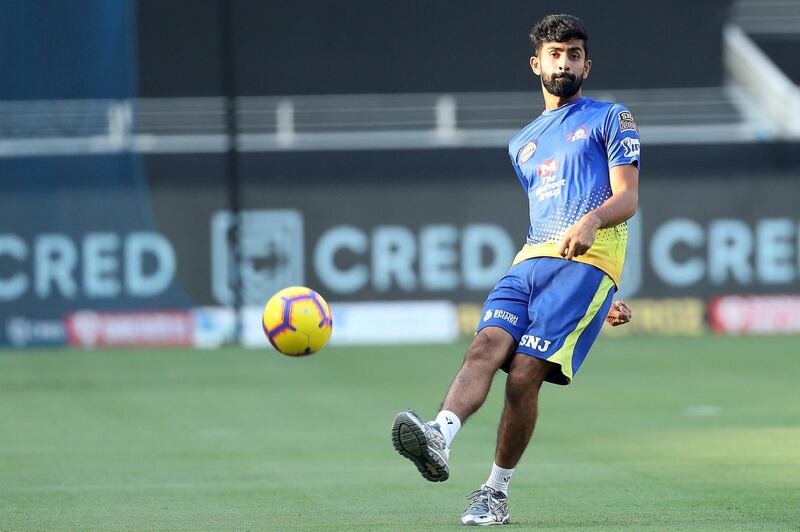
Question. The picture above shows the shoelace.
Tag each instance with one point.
(435, 434)
(479, 500)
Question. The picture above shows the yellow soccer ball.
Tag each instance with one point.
(297, 321)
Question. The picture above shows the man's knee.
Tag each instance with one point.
(527, 373)
(490, 347)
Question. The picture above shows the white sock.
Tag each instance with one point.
(499, 478)
(449, 424)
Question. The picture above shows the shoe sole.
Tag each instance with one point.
(410, 441)
(505, 521)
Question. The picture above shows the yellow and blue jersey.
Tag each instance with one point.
(562, 159)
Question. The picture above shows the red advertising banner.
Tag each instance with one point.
(141, 328)
(779, 314)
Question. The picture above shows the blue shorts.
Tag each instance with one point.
(554, 308)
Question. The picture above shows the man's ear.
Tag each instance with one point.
(587, 66)
(535, 66)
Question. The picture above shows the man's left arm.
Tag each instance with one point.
(579, 237)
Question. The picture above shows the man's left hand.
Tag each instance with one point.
(618, 314)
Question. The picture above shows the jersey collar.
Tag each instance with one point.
(563, 107)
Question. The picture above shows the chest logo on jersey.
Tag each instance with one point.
(549, 184)
(626, 122)
(632, 147)
(582, 133)
(547, 168)
(527, 152)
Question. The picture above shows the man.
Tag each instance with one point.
(579, 165)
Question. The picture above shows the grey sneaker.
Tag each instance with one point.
(423, 444)
(486, 507)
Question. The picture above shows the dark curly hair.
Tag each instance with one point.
(558, 28)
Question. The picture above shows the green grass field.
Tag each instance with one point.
(700, 433)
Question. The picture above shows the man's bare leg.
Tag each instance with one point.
(427, 444)
(488, 351)
(489, 504)
(521, 408)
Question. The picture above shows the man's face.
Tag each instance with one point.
(562, 66)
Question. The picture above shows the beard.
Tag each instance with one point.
(562, 84)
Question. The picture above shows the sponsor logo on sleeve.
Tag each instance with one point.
(631, 147)
(527, 152)
(626, 122)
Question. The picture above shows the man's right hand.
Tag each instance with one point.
(579, 237)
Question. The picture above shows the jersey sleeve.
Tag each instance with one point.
(522, 179)
(622, 138)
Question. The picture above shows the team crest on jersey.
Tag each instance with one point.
(626, 122)
(632, 147)
(582, 133)
(527, 152)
